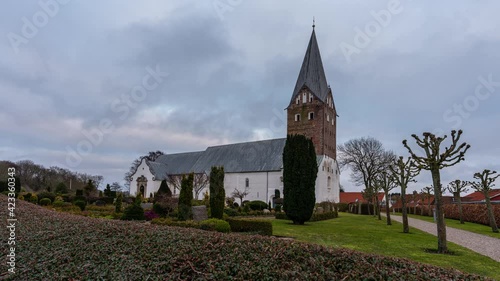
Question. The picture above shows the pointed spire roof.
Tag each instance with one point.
(312, 74)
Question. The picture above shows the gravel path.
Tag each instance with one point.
(482, 244)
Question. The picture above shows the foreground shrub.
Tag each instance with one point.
(231, 212)
(263, 227)
(134, 212)
(46, 194)
(20, 197)
(171, 222)
(118, 204)
(58, 203)
(136, 251)
(257, 205)
(81, 204)
(215, 225)
(150, 215)
(34, 199)
(45, 202)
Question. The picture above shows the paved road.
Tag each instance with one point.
(485, 245)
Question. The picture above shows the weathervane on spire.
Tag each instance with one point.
(314, 23)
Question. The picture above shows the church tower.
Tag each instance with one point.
(311, 111)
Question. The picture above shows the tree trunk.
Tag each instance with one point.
(460, 211)
(378, 208)
(441, 225)
(406, 228)
(387, 211)
(491, 216)
(429, 207)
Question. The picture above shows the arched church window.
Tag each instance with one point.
(304, 98)
(311, 115)
(310, 97)
(297, 117)
(328, 181)
(247, 182)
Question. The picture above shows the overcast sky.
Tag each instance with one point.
(92, 85)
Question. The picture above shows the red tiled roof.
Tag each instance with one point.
(350, 197)
(479, 196)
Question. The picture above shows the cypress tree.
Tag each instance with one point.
(300, 170)
(217, 192)
(164, 189)
(186, 198)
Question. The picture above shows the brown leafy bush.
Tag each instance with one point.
(83, 248)
(476, 213)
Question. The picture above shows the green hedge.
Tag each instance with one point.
(215, 225)
(263, 227)
(343, 207)
(171, 222)
(45, 202)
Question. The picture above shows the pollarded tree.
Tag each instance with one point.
(434, 160)
(186, 198)
(456, 187)
(404, 172)
(484, 185)
(240, 194)
(428, 192)
(386, 182)
(300, 170)
(217, 192)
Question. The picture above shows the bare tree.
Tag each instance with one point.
(201, 181)
(485, 184)
(175, 182)
(386, 182)
(152, 156)
(434, 160)
(240, 194)
(366, 157)
(456, 187)
(115, 186)
(428, 192)
(404, 172)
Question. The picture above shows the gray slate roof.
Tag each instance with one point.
(257, 156)
(179, 163)
(312, 74)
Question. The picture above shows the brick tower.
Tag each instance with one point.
(311, 111)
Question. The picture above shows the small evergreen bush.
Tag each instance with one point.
(45, 202)
(230, 212)
(34, 199)
(215, 225)
(133, 212)
(257, 205)
(81, 204)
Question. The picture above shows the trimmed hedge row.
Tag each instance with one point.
(263, 227)
(475, 213)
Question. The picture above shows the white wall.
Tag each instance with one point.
(261, 185)
(324, 192)
(151, 186)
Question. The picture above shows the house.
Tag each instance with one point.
(478, 197)
(258, 166)
(355, 197)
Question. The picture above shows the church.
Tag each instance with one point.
(257, 167)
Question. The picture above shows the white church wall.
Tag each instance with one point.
(152, 186)
(328, 181)
(261, 185)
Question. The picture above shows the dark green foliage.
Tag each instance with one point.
(81, 204)
(79, 192)
(133, 212)
(34, 199)
(217, 192)
(4, 185)
(277, 208)
(80, 198)
(186, 198)
(107, 190)
(171, 222)
(45, 202)
(164, 189)
(89, 187)
(230, 212)
(46, 194)
(263, 227)
(61, 188)
(118, 203)
(257, 205)
(246, 208)
(277, 194)
(314, 217)
(27, 196)
(100, 193)
(365, 208)
(342, 207)
(300, 170)
(215, 225)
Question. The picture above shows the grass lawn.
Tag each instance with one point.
(469, 226)
(367, 234)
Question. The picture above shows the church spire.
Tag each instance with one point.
(312, 74)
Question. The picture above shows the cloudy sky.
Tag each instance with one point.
(92, 85)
